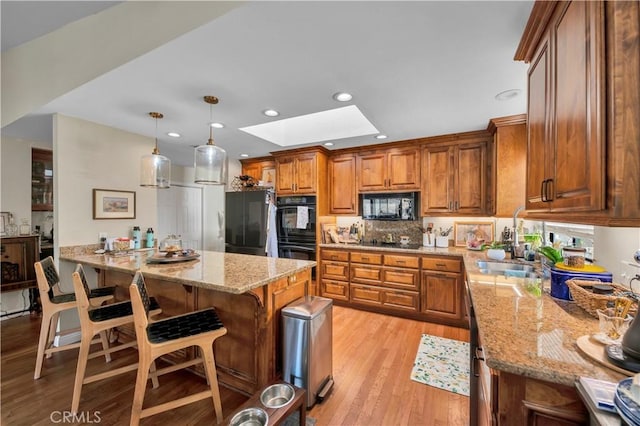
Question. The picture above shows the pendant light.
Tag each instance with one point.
(155, 169)
(210, 160)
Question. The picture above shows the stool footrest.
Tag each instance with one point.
(160, 408)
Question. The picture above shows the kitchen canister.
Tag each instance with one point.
(559, 288)
(442, 241)
(428, 239)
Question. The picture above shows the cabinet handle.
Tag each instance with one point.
(401, 261)
(450, 205)
(366, 259)
(549, 194)
(542, 192)
(455, 206)
(441, 265)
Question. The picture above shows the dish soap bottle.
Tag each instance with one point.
(149, 240)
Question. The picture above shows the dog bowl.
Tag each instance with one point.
(276, 396)
(250, 417)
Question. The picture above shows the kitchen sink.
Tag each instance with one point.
(507, 269)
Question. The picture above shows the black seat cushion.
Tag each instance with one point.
(71, 297)
(116, 310)
(183, 326)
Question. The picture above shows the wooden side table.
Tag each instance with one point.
(276, 415)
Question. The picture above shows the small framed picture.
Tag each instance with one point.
(4, 222)
(268, 176)
(472, 234)
(111, 204)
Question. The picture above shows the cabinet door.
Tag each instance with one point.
(41, 180)
(436, 180)
(285, 176)
(366, 294)
(342, 184)
(403, 169)
(335, 270)
(470, 180)
(306, 172)
(337, 290)
(371, 172)
(366, 274)
(537, 127)
(579, 117)
(441, 295)
(254, 170)
(403, 300)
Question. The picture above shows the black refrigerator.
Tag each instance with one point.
(246, 222)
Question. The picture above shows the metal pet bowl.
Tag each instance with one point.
(276, 396)
(250, 417)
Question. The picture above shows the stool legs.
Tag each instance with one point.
(42, 342)
(210, 370)
(80, 370)
(138, 395)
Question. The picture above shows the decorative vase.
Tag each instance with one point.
(496, 254)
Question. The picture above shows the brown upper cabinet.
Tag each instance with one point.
(508, 156)
(342, 184)
(583, 112)
(388, 170)
(300, 171)
(454, 178)
(41, 180)
(262, 168)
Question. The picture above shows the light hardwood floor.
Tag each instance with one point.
(372, 358)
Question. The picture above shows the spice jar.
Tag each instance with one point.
(573, 256)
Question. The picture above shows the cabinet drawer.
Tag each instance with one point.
(406, 279)
(401, 261)
(337, 255)
(406, 300)
(366, 274)
(370, 258)
(334, 289)
(442, 264)
(335, 270)
(366, 294)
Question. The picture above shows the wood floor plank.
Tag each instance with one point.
(373, 355)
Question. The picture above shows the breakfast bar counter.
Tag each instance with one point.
(248, 292)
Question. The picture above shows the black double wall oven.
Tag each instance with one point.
(296, 218)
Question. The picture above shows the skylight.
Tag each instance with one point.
(321, 126)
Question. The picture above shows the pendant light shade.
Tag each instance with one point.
(210, 160)
(155, 169)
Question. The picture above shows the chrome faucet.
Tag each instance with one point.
(516, 237)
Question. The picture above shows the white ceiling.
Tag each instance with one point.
(415, 69)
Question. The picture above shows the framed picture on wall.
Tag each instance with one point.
(472, 234)
(268, 176)
(111, 204)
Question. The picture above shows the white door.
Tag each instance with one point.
(180, 213)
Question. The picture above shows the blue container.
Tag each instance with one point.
(559, 288)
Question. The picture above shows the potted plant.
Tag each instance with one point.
(495, 251)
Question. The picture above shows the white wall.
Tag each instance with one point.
(15, 197)
(612, 247)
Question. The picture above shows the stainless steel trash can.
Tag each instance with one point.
(307, 346)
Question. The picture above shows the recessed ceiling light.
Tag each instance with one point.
(244, 155)
(173, 134)
(217, 125)
(507, 94)
(342, 96)
(328, 144)
(271, 113)
(381, 136)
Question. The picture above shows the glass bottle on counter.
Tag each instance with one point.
(11, 228)
(137, 237)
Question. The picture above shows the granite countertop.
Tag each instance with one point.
(522, 333)
(226, 272)
(446, 251)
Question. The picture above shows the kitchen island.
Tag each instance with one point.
(248, 292)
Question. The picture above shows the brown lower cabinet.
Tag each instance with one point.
(423, 287)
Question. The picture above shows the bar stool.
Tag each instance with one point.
(99, 320)
(53, 302)
(200, 328)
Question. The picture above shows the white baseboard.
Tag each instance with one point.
(67, 339)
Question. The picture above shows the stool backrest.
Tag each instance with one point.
(82, 291)
(141, 304)
(47, 277)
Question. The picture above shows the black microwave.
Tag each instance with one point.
(397, 206)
